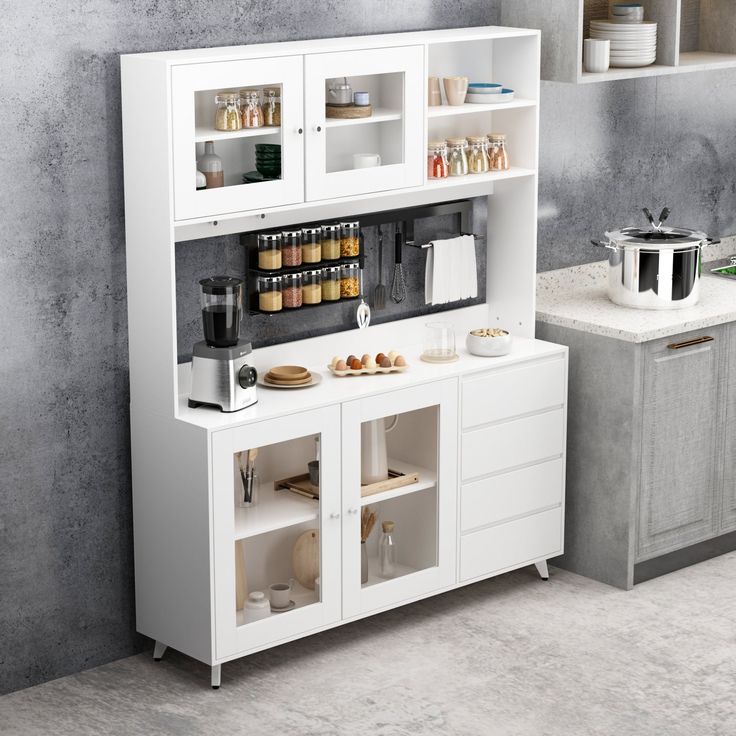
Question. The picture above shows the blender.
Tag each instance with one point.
(220, 374)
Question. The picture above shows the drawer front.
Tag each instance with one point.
(490, 500)
(492, 449)
(512, 544)
(505, 394)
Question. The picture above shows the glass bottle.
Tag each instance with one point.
(251, 111)
(498, 154)
(387, 551)
(478, 161)
(457, 156)
(227, 115)
(272, 106)
(437, 160)
(210, 164)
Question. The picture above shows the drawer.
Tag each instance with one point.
(490, 500)
(507, 445)
(511, 545)
(504, 394)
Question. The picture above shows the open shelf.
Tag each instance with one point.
(695, 61)
(514, 172)
(427, 479)
(469, 108)
(202, 135)
(274, 510)
(301, 597)
(380, 115)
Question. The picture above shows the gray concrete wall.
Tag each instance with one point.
(66, 597)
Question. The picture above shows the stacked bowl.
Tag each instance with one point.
(633, 43)
(268, 160)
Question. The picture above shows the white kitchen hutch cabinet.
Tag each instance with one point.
(485, 435)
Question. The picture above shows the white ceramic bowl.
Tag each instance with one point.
(506, 96)
(484, 88)
(488, 347)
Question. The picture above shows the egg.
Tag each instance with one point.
(379, 358)
(364, 360)
(341, 365)
(392, 356)
(386, 362)
(400, 361)
(356, 365)
(370, 363)
(335, 360)
(350, 359)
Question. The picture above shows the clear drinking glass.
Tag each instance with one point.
(439, 343)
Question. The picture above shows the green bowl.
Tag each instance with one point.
(269, 171)
(268, 148)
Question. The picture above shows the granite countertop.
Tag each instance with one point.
(576, 298)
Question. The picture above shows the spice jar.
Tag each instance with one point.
(457, 156)
(291, 289)
(498, 155)
(349, 281)
(269, 251)
(478, 161)
(269, 293)
(331, 283)
(330, 242)
(251, 111)
(349, 239)
(272, 106)
(311, 244)
(227, 114)
(312, 287)
(291, 247)
(437, 160)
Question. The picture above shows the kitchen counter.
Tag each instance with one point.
(576, 298)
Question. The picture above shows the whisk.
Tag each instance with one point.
(398, 287)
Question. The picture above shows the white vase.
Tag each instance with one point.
(373, 453)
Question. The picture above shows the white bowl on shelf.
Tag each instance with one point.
(506, 95)
(489, 347)
(484, 88)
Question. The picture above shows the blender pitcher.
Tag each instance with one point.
(222, 307)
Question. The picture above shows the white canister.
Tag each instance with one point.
(257, 606)
(596, 55)
(366, 160)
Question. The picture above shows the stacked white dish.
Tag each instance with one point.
(632, 44)
(626, 13)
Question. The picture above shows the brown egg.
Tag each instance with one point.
(350, 359)
(356, 365)
(385, 363)
(379, 358)
(364, 360)
(341, 365)
(400, 361)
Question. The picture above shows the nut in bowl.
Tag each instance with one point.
(488, 342)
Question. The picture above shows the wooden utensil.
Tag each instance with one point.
(305, 558)
(241, 580)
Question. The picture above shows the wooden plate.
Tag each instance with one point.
(316, 379)
(288, 372)
(268, 378)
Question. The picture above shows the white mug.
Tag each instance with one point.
(280, 594)
(596, 54)
(366, 160)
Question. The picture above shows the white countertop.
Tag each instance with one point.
(576, 298)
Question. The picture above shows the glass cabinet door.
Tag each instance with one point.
(355, 149)
(399, 531)
(240, 124)
(276, 529)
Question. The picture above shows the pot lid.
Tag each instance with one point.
(659, 238)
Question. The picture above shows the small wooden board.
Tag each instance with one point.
(348, 112)
(298, 484)
(395, 480)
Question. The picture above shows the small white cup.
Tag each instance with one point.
(280, 594)
(366, 160)
(596, 55)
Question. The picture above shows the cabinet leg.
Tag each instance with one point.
(542, 569)
(158, 651)
(215, 676)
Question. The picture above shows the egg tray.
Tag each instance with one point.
(366, 371)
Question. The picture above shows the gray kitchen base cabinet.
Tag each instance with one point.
(651, 447)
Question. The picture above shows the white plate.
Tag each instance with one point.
(631, 63)
(316, 379)
(648, 24)
(489, 99)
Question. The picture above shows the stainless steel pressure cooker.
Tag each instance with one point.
(656, 267)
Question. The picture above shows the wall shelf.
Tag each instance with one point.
(274, 510)
(201, 135)
(380, 115)
(443, 111)
(427, 480)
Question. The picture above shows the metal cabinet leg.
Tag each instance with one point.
(158, 651)
(215, 676)
(542, 569)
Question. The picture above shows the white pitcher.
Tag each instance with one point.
(373, 453)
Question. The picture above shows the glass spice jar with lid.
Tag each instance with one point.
(330, 242)
(269, 251)
(349, 280)
(478, 161)
(331, 283)
(457, 156)
(291, 247)
(291, 290)
(437, 160)
(349, 239)
(227, 112)
(311, 244)
(498, 154)
(251, 112)
(272, 106)
(312, 286)
(269, 294)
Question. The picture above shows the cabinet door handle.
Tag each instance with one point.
(335, 515)
(690, 343)
(353, 511)
(300, 130)
(318, 128)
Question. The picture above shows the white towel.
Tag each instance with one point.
(451, 273)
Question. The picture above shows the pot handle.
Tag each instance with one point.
(601, 244)
(711, 241)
